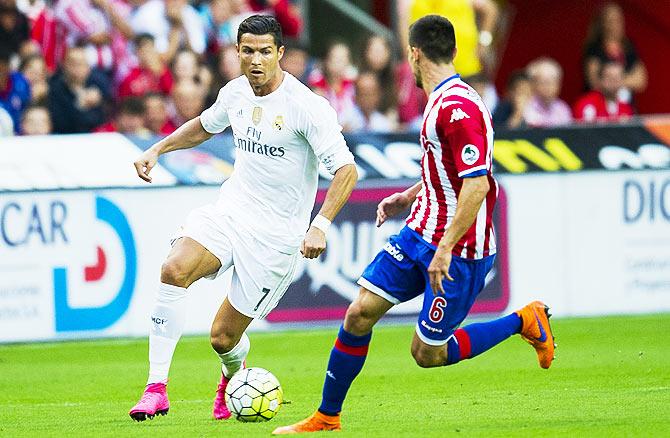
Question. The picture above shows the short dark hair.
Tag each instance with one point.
(132, 105)
(434, 35)
(261, 25)
(518, 75)
(141, 38)
(5, 54)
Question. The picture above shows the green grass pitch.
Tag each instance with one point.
(611, 378)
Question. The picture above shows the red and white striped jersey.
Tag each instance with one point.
(457, 142)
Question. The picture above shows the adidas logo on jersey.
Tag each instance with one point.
(458, 114)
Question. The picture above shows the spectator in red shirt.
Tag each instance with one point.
(129, 119)
(151, 75)
(156, 117)
(335, 81)
(287, 14)
(603, 104)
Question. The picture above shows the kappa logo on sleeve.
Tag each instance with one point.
(470, 154)
(458, 114)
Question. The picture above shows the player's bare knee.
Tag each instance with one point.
(172, 272)
(222, 342)
(358, 321)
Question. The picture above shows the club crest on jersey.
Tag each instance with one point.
(279, 123)
(458, 114)
(256, 115)
(470, 154)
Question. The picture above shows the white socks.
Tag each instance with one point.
(232, 361)
(167, 325)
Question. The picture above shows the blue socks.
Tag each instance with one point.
(348, 355)
(346, 361)
(475, 339)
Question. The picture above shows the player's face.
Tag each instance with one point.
(259, 59)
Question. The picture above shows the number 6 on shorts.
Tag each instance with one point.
(436, 312)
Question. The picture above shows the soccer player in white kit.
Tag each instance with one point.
(260, 223)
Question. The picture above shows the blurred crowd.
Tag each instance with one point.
(143, 67)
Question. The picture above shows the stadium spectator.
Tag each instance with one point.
(286, 13)
(226, 66)
(14, 88)
(545, 108)
(485, 88)
(129, 118)
(366, 115)
(102, 25)
(607, 41)
(36, 121)
(14, 29)
(174, 24)
(378, 59)
(510, 111)
(219, 29)
(296, 61)
(77, 95)
(335, 79)
(156, 117)
(48, 35)
(474, 41)
(34, 69)
(187, 67)
(150, 75)
(188, 101)
(604, 104)
(411, 99)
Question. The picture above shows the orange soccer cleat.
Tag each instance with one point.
(314, 423)
(535, 329)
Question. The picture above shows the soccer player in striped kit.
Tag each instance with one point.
(448, 244)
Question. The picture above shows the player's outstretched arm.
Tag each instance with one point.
(339, 191)
(396, 203)
(473, 192)
(188, 135)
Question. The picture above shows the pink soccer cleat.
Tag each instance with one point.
(154, 402)
(220, 410)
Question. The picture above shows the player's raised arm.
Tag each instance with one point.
(188, 135)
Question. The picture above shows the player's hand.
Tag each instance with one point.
(439, 269)
(145, 163)
(390, 206)
(314, 243)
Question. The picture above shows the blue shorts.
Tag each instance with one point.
(400, 272)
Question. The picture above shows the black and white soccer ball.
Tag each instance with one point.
(254, 394)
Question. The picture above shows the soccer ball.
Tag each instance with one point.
(254, 394)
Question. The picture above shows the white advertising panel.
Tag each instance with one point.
(86, 263)
(590, 243)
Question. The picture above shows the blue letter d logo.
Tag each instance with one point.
(97, 318)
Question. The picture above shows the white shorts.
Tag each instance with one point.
(261, 274)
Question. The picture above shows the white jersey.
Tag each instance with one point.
(279, 139)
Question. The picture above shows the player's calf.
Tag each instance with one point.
(428, 356)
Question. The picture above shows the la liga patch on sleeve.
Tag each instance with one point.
(470, 154)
